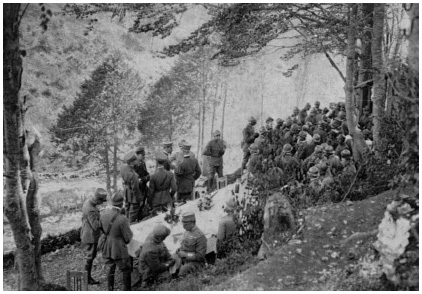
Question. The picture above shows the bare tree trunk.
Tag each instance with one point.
(378, 74)
(17, 172)
(359, 146)
(107, 166)
(199, 129)
(213, 109)
(413, 56)
(204, 97)
(224, 110)
(115, 170)
(365, 72)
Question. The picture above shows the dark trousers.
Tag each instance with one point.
(212, 170)
(90, 252)
(184, 196)
(132, 211)
(124, 264)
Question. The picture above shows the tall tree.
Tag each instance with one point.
(20, 151)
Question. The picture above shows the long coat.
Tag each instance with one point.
(186, 173)
(120, 235)
(215, 150)
(91, 225)
(249, 136)
(162, 187)
(132, 193)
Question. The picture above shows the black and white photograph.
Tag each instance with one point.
(210, 146)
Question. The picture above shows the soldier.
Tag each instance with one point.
(227, 224)
(177, 157)
(91, 228)
(334, 111)
(253, 163)
(300, 145)
(115, 252)
(367, 136)
(249, 136)
(333, 161)
(215, 150)
(305, 129)
(304, 113)
(277, 133)
(155, 259)
(295, 114)
(349, 168)
(186, 174)
(341, 140)
(191, 254)
(365, 121)
(290, 135)
(269, 127)
(320, 130)
(317, 104)
(143, 174)
(162, 185)
(262, 142)
(167, 150)
(289, 164)
(315, 183)
(312, 117)
(309, 148)
(131, 191)
(314, 159)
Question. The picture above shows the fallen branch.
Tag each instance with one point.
(360, 235)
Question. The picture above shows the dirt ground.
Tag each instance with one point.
(317, 259)
(314, 260)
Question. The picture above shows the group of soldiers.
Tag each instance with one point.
(312, 146)
(173, 181)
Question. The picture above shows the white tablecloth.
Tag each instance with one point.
(207, 221)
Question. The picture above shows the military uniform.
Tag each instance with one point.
(186, 173)
(154, 257)
(176, 158)
(162, 187)
(193, 243)
(141, 169)
(215, 150)
(249, 136)
(115, 252)
(263, 145)
(133, 196)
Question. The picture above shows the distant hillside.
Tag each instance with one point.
(59, 60)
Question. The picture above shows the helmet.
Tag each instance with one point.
(316, 138)
(302, 135)
(294, 120)
(345, 153)
(269, 119)
(318, 149)
(279, 121)
(322, 166)
(253, 148)
(251, 119)
(288, 122)
(342, 115)
(305, 128)
(216, 133)
(329, 149)
(287, 148)
(294, 128)
(262, 130)
(313, 172)
(307, 104)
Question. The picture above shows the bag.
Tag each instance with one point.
(103, 238)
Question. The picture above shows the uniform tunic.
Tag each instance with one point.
(186, 173)
(91, 225)
(162, 187)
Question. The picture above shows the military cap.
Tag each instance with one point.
(287, 148)
(216, 133)
(302, 134)
(251, 119)
(269, 119)
(305, 128)
(160, 157)
(316, 138)
(313, 172)
(140, 149)
(117, 199)
(167, 143)
(188, 216)
(263, 130)
(329, 149)
(345, 153)
(318, 149)
(129, 157)
(253, 148)
(100, 194)
(323, 145)
(279, 121)
(160, 231)
(186, 145)
(307, 104)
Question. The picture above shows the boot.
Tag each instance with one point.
(127, 281)
(110, 278)
(88, 268)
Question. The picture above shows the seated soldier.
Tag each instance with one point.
(190, 256)
(155, 259)
(227, 225)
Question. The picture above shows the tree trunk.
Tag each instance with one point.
(107, 167)
(115, 170)
(214, 108)
(15, 204)
(224, 110)
(365, 72)
(378, 74)
(413, 56)
(359, 145)
(204, 97)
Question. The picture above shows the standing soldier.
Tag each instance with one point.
(91, 228)
(167, 150)
(320, 130)
(162, 185)
(186, 173)
(277, 133)
(262, 142)
(177, 157)
(269, 127)
(304, 113)
(131, 191)
(249, 136)
(317, 104)
(118, 233)
(289, 164)
(143, 174)
(215, 150)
